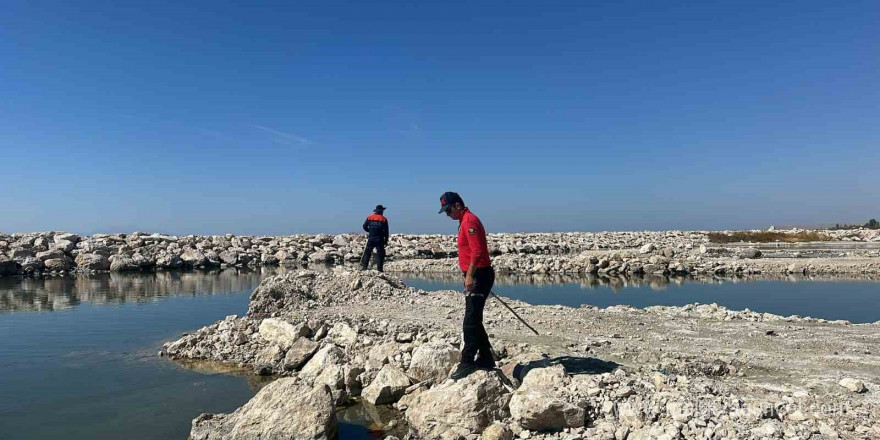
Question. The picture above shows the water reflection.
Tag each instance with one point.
(617, 283)
(213, 368)
(58, 293)
(373, 421)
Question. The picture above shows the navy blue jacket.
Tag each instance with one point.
(377, 226)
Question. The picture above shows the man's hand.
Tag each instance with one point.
(469, 283)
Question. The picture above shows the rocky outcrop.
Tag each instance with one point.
(675, 252)
(544, 403)
(376, 337)
(460, 407)
(299, 353)
(287, 409)
(282, 332)
(326, 357)
(388, 386)
(96, 262)
(433, 361)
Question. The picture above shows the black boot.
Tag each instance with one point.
(463, 370)
(485, 364)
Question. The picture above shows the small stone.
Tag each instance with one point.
(769, 429)
(497, 431)
(797, 416)
(853, 385)
(828, 431)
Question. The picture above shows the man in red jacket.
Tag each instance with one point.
(479, 277)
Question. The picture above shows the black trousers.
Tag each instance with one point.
(476, 340)
(379, 245)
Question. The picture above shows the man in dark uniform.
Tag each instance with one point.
(479, 277)
(376, 226)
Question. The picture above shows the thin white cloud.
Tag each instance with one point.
(280, 135)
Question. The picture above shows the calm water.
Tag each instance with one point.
(855, 300)
(78, 355)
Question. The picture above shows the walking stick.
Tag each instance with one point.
(514, 313)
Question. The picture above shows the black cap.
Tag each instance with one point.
(448, 199)
(379, 208)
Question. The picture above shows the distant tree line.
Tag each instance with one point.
(872, 224)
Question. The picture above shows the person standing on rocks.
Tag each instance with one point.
(376, 227)
(479, 277)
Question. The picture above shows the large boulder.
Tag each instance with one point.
(123, 263)
(269, 260)
(750, 253)
(459, 407)
(229, 257)
(333, 376)
(287, 409)
(853, 385)
(329, 355)
(64, 245)
(542, 404)
(193, 258)
(169, 261)
(269, 356)
(433, 361)
(213, 258)
(342, 334)
(57, 264)
(73, 238)
(497, 431)
(31, 265)
(388, 386)
(92, 262)
(42, 243)
(380, 354)
(299, 352)
(162, 238)
(22, 254)
(281, 332)
(319, 257)
(52, 254)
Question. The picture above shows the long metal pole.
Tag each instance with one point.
(514, 314)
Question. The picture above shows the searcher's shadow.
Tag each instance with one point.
(572, 364)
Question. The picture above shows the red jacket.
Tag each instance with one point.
(472, 245)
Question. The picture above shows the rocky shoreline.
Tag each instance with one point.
(667, 252)
(692, 372)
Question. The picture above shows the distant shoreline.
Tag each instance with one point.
(850, 251)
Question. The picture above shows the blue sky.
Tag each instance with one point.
(271, 118)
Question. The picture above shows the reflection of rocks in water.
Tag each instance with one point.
(381, 420)
(617, 282)
(211, 368)
(56, 293)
